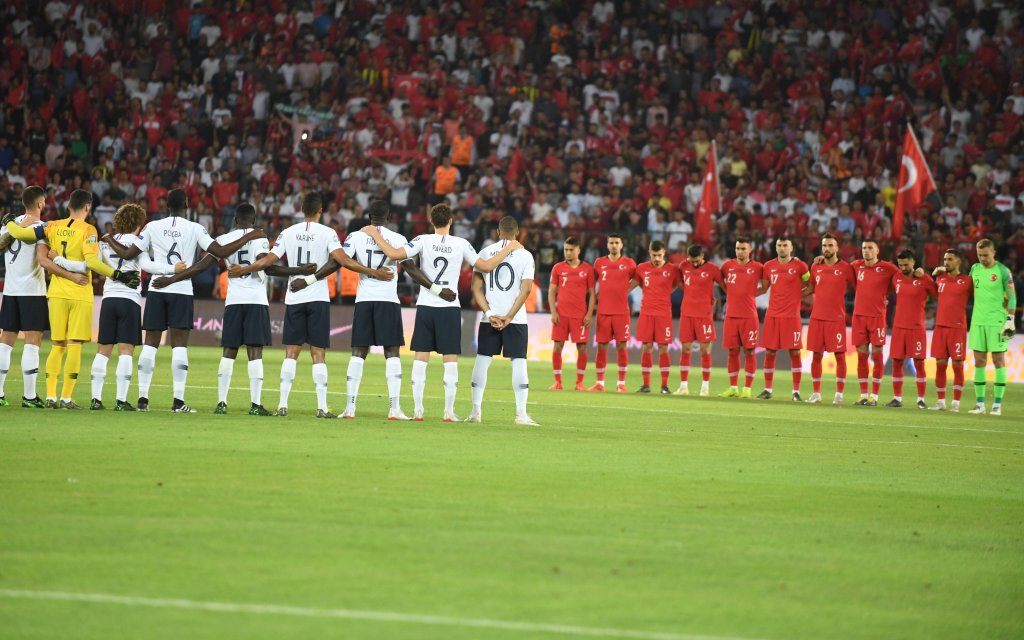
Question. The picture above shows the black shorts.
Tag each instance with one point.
(167, 311)
(24, 313)
(308, 323)
(437, 329)
(509, 342)
(377, 324)
(120, 322)
(247, 324)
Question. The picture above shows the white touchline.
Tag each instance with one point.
(351, 614)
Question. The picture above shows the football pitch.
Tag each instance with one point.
(622, 516)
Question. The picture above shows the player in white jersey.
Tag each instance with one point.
(121, 310)
(438, 313)
(308, 316)
(23, 307)
(171, 240)
(500, 296)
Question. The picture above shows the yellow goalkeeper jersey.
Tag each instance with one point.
(74, 240)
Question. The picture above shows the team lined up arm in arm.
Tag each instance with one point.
(51, 267)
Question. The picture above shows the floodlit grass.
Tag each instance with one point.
(635, 514)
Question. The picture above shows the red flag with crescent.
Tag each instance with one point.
(915, 182)
(928, 77)
(710, 199)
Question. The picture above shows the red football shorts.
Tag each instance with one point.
(949, 342)
(826, 335)
(654, 329)
(782, 333)
(613, 327)
(868, 330)
(569, 329)
(696, 329)
(739, 332)
(907, 343)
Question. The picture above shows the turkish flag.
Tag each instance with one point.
(410, 83)
(710, 200)
(915, 183)
(928, 77)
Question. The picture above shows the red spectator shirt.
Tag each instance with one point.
(786, 282)
(699, 288)
(613, 278)
(830, 282)
(911, 294)
(657, 284)
(873, 284)
(573, 284)
(954, 291)
(740, 284)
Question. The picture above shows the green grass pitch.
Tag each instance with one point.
(622, 516)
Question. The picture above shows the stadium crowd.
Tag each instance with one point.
(576, 118)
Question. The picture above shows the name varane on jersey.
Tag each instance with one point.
(303, 243)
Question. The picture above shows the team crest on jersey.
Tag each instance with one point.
(582, 274)
(993, 277)
(791, 270)
(622, 267)
(664, 273)
(703, 274)
(92, 240)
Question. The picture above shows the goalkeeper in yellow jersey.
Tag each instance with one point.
(71, 298)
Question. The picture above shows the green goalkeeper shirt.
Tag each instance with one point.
(993, 294)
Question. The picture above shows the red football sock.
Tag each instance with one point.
(940, 380)
(897, 378)
(797, 367)
(556, 365)
(769, 369)
(646, 360)
(684, 366)
(623, 358)
(734, 367)
(750, 368)
(666, 367)
(958, 380)
(705, 367)
(840, 372)
(816, 372)
(862, 372)
(877, 370)
(600, 363)
(581, 364)
(921, 379)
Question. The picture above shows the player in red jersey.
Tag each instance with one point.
(908, 334)
(874, 278)
(614, 275)
(696, 317)
(949, 339)
(785, 277)
(826, 331)
(658, 279)
(741, 279)
(572, 286)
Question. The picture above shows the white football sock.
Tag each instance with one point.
(227, 367)
(480, 381)
(179, 371)
(30, 369)
(419, 383)
(520, 384)
(99, 375)
(320, 383)
(5, 364)
(255, 381)
(353, 378)
(287, 378)
(124, 376)
(147, 363)
(451, 385)
(393, 371)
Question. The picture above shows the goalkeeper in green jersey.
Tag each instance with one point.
(992, 323)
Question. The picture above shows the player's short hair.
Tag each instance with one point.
(985, 243)
(79, 198)
(508, 226)
(784, 239)
(906, 254)
(695, 251)
(312, 204)
(177, 201)
(829, 236)
(129, 217)
(614, 235)
(32, 195)
(572, 241)
(440, 215)
(953, 251)
(245, 213)
(380, 211)
(656, 245)
(869, 241)
(742, 240)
